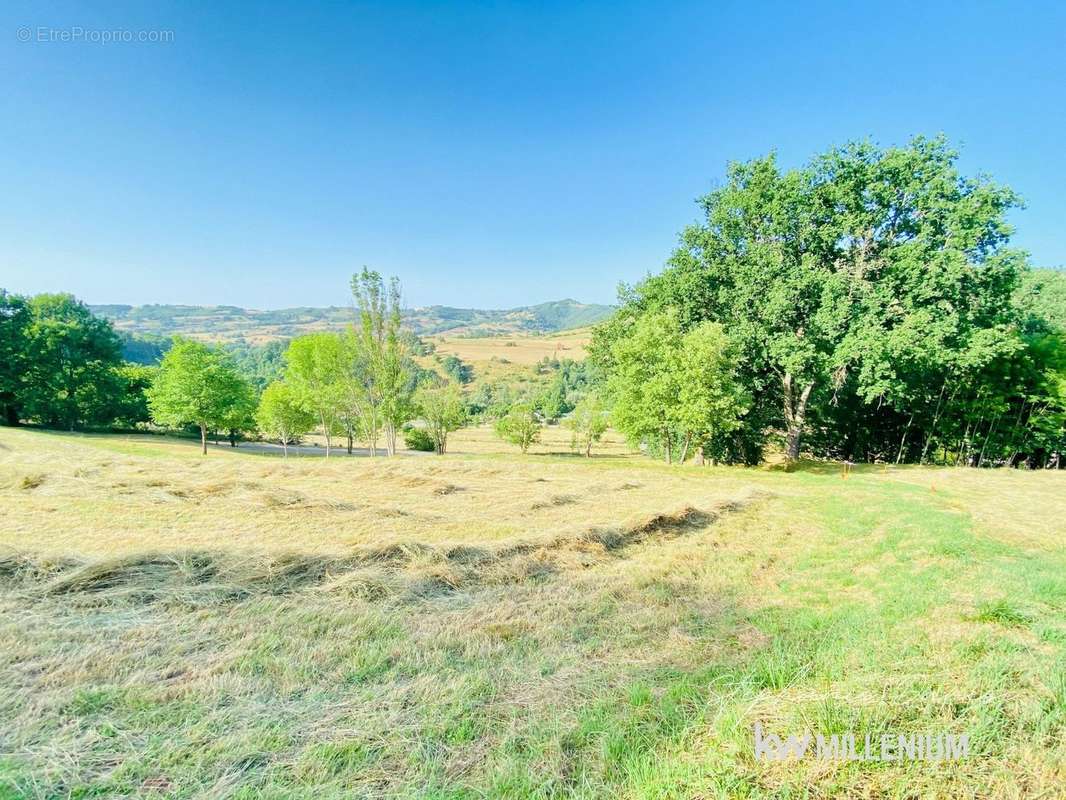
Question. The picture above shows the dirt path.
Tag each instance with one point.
(306, 450)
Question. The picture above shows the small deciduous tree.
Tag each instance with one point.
(194, 386)
(674, 389)
(644, 381)
(520, 426)
(441, 406)
(386, 373)
(360, 410)
(315, 366)
(283, 415)
(588, 423)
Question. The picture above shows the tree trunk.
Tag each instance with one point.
(349, 442)
(903, 439)
(971, 443)
(588, 449)
(203, 439)
(988, 437)
(1014, 444)
(666, 440)
(795, 414)
(963, 444)
(936, 419)
(233, 438)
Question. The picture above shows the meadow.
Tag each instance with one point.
(491, 625)
(524, 350)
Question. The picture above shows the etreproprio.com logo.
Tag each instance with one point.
(79, 34)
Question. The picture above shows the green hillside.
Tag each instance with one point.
(232, 324)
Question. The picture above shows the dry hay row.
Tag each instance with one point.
(412, 570)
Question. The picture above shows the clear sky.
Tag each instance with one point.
(490, 154)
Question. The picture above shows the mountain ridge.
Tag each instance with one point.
(228, 324)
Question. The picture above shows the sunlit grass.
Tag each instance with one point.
(492, 625)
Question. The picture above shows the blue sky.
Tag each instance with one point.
(490, 154)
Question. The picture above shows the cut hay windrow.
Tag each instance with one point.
(206, 576)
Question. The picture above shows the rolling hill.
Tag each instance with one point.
(232, 324)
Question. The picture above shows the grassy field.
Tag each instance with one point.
(509, 359)
(488, 625)
(524, 350)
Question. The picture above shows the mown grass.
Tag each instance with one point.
(621, 644)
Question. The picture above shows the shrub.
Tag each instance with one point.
(418, 439)
(520, 426)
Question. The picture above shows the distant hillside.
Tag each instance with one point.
(232, 324)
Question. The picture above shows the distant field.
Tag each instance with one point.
(524, 350)
(491, 625)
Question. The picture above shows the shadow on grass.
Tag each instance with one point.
(838, 468)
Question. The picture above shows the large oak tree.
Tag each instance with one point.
(883, 274)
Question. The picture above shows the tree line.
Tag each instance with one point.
(866, 307)
(360, 385)
(65, 368)
(364, 385)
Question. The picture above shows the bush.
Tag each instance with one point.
(520, 426)
(417, 439)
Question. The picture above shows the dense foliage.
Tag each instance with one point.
(418, 438)
(359, 383)
(14, 320)
(145, 349)
(456, 369)
(62, 367)
(876, 307)
(260, 364)
(674, 391)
